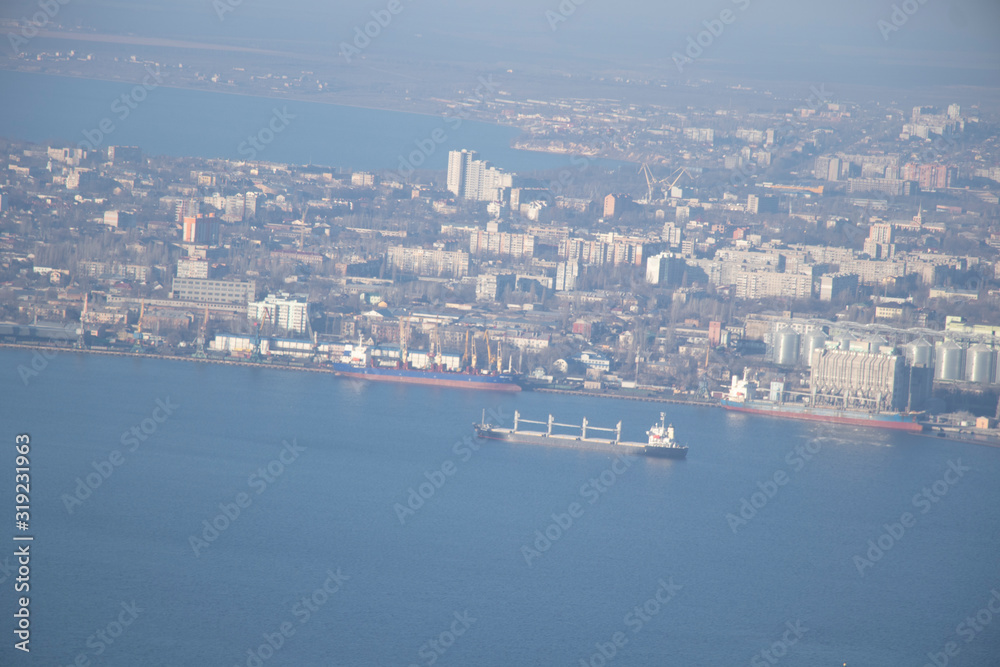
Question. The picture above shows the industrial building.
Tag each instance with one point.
(859, 380)
(213, 291)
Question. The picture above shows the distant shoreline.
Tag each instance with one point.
(330, 371)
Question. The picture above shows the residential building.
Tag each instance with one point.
(283, 311)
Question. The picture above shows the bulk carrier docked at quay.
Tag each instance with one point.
(359, 362)
(660, 437)
(739, 400)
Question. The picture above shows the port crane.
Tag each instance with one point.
(489, 352)
(467, 355)
(137, 344)
(199, 353)
(403, 330)
(652, 182)
(255, 353)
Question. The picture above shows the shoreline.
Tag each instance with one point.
(514, 144)
(314, 369)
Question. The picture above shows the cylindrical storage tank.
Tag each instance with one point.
(845, 342)
(786, 348)
(949, 361)
(920, 353)
(814, 341)
(979, 367)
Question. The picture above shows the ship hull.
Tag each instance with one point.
(666, 452)
(572, 442)
(892, 422)
(429, 378)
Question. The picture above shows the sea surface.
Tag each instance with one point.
(179, 122)
(515, 554)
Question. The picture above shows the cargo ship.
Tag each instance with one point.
(358, 362)
(739, 400)
(660, 437)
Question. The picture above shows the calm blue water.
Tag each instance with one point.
(171, 121)
(366, 445)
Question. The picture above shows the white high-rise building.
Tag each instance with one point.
(281, 310)
(458, 167)
(471, 178)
